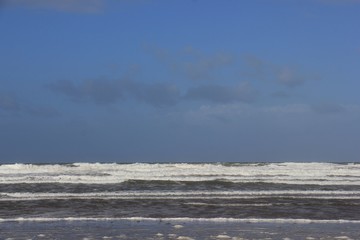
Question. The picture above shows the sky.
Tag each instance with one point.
(179, 81)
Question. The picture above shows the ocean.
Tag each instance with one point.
(180, 201)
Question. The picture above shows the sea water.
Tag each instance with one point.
(181, 192)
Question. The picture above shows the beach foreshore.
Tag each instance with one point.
(179, 230)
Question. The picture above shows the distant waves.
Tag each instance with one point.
(244, 192)
(96, 173)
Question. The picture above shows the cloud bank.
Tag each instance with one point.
(98, 91)
(222, 94)
(103, 92)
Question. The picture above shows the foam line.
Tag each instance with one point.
(184, 220)
(183, 195)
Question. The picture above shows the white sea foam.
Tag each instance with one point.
(233, 204)
(222, 236)
(319, 194)
(184, 238)
(185, 220)
(101, 173)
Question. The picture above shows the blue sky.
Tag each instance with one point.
(163, 81)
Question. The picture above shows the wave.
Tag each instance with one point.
(175, 186)
(185, 220)
(30, 196)
(113, 173)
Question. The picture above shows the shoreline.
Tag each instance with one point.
(180, 230)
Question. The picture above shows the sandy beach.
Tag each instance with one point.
(175, 230)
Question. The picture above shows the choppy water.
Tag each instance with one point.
(227, 192)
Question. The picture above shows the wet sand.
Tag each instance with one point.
(87, 230)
